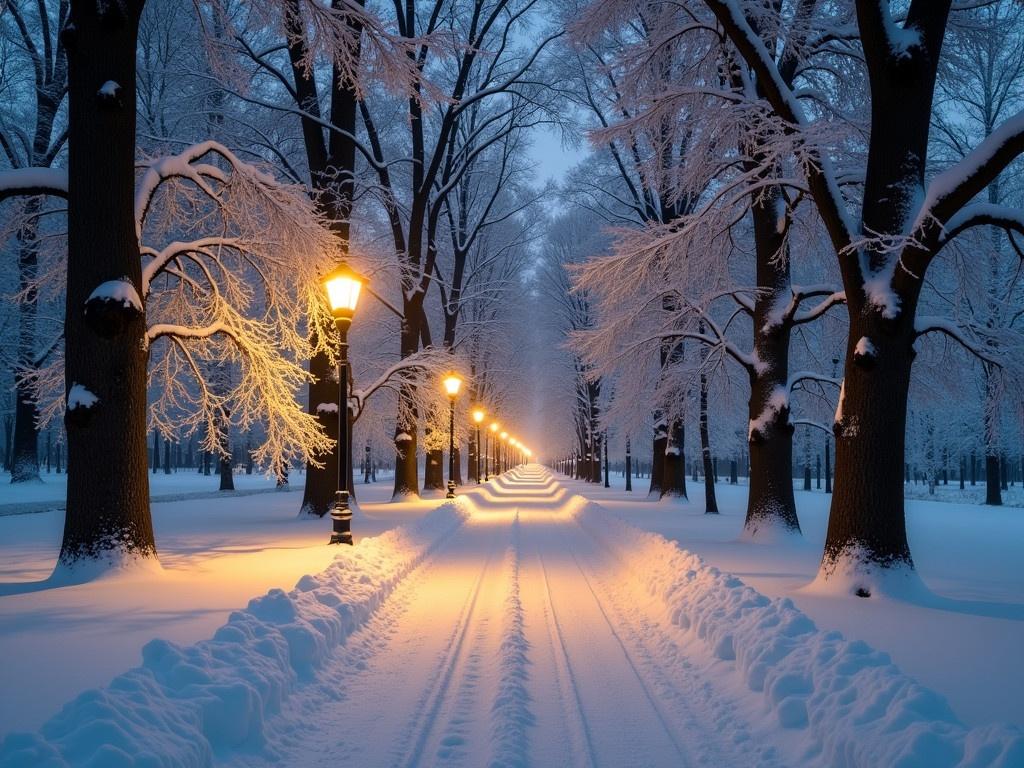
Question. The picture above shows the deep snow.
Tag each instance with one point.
(216, 552)
(523, 625)
(964, 640)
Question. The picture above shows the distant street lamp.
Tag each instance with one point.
(478, 417)
(451, 386)
(492, 463)
(342, 287)
(503, 453)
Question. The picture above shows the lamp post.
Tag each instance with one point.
(342, 287)
(478, 416)
(503, 453)
(451, 387)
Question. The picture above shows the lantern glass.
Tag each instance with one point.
(494, 426)
(451, 384)
(343, 286)
(504, 435)
(478, 415)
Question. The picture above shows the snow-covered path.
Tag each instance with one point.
(517, 642)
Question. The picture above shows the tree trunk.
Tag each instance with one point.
(866, 526)
(406, 480)
(710, 501)
(770, 502)
(107, 513)
(225, 470)
(332, 174)
(25, 461)
(658, 453)
(629, 468)
(433, 471)
(674, 477)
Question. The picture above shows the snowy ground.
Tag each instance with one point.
(520, 625)
(965, 641)
(216, 553)
(51, 490)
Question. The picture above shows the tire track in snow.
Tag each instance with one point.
(511, 715)
(565, 671)
(682, 753)
(431, 703)
(679, 682)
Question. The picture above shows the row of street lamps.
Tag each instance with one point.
(343, 287)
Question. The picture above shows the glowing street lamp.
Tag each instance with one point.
(503, 453)
(478, 417)
(452, 383)
(342, 287)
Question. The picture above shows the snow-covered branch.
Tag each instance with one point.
(33, 181)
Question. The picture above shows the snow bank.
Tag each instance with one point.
(857, 707)
(186, 704)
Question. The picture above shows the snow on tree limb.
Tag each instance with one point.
(978, 214)
(25, 182)
(950, 191)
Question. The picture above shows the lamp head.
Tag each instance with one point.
(451, 385)
(478, 415)
(342, 286)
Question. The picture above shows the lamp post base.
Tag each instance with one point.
(449, 495)
(341, 519)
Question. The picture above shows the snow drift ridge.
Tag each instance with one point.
(859, 709)
(185, 704)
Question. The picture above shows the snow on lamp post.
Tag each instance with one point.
(451, 387)
(342, 287)
(478, 417)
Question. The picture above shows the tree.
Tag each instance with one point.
(883, 254)
(725, 191)
(40, 42)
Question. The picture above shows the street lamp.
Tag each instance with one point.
(478, 416)
(503, 453)
(451, 386)
(489, 465)
(342, 287)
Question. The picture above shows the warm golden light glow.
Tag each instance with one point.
(451, 384)
(494, 426)
(504, 435)
(343, 286)
(478, 415)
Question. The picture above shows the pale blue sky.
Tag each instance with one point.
(550, 158)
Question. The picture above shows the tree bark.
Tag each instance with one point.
(867, 516)
(25, 459)
(332, 176)
(406, 479)
(674, 477)
(658, 454)
(770, 501)
(225, 470)
(433, 470)
(710, 501)
(107, 514)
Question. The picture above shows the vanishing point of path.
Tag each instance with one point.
(518, 642)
